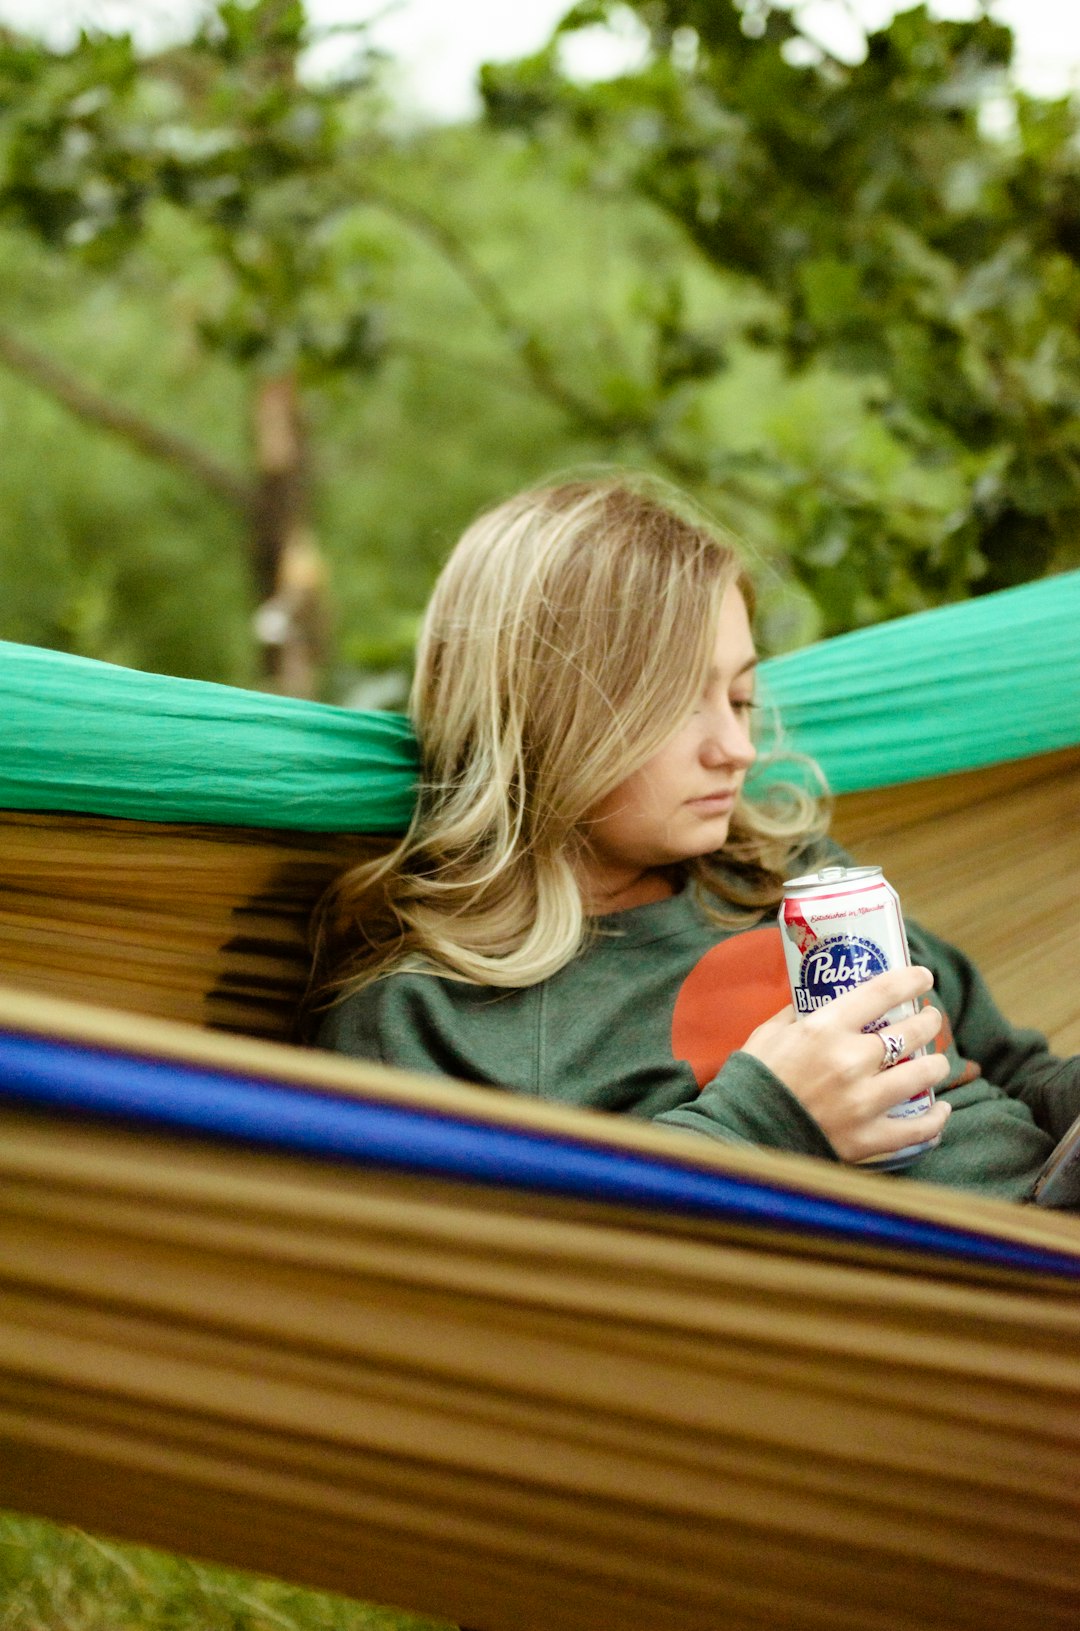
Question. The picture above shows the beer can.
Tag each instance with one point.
(841, 926)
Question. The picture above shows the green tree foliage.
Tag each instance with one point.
(225, 130)
(102, 550)
(518, 336)
(225, 133)
(829, 300)
(911, 222)
(514, 326)
(208, 195)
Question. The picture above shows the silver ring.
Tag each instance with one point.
(894, 1048)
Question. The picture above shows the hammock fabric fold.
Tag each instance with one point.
(101, 740)
(956, 688)
(668, 1384)
(208, 924)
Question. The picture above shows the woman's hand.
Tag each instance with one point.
(833, 1067)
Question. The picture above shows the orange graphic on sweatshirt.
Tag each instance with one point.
(728, 993)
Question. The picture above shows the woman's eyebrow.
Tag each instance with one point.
(714, 673)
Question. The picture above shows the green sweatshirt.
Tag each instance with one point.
(649, 1021)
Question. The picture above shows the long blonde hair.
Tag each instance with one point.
(566, 638)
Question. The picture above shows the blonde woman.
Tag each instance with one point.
(584, 905)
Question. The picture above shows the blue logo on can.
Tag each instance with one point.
(836, 965)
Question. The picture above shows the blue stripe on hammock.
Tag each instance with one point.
(264, 1112)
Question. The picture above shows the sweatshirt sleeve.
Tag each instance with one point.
(415, 1022)
(1016, 1060)
(746, 1104)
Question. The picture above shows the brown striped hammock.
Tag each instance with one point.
(497, 1360)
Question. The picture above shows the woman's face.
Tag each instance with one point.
(679, 803)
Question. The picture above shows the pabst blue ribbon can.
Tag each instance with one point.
(841, 926)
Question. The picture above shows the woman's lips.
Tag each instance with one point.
(713, 801)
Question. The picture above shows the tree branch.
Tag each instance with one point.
(537, 361)
(530, 350)
(141, 433)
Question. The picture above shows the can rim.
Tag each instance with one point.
(831, 875)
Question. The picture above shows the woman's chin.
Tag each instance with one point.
(710, 833)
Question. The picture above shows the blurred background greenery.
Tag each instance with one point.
(270, 339)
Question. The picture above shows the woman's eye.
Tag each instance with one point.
(744, 706)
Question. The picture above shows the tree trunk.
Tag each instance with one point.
(288, 569)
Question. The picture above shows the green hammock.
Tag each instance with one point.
(952, 689)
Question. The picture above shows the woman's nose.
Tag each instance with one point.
(728, 742)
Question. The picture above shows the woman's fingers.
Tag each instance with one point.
(886, 1134)
(841, 1068)
(888, 1088)
(866, 1004)
(897, 1041)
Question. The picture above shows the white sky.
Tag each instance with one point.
(440, 43)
